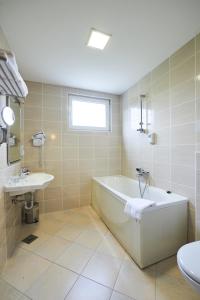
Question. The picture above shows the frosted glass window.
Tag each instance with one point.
(88, 113)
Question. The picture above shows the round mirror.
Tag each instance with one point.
(8, 116)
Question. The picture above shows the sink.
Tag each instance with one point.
(18, 185)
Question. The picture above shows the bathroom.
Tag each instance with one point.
(100, 150)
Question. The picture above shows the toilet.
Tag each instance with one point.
(188, 259)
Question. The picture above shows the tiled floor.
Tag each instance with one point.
(77, 258)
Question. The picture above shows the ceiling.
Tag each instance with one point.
(49, 38)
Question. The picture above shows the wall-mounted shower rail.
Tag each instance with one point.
(141, 129)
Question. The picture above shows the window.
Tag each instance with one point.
(89, 113)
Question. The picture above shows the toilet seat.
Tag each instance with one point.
(188, 258)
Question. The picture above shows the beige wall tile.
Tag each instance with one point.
(161, 101)
(198, 43)
(159, 71)
(174, 116)
(34, 99)
(52, 193)
(70, 201)
(53, 90)
(162, 154)
(171, 95)
(32, 125)
(70, 140)
(183, 54)
(184, 113)
(86, 153)
(183, 175)
(184, 92)
(53, 205)
(34, 87)
(160, 86)
(198, 75)
(184, 72)
(52, 114)
(183, 155)
(52, 153)
(69, 155)
(52, 101)
(184, 134)
(33, 113)
(162, 119)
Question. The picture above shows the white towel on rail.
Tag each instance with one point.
(135, 206)
(11, 82)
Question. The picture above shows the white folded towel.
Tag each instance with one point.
(11, 82)
(135, 206)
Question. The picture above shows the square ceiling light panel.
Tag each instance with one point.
(98, 39)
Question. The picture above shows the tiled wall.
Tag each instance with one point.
(198, 195)
(173, 101)
(9, 213)
(73, 157)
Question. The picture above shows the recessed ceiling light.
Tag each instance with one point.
(98, 39)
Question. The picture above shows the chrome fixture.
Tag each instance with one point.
(8, 118)
(23, 172)
(3, 135)
(39, 139)
(142, 174)
(141, 129)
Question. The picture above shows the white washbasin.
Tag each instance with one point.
(18, 185)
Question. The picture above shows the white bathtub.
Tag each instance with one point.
(162, 229)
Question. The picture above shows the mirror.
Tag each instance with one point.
(14, 130)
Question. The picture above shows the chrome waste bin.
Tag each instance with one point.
(31, 215)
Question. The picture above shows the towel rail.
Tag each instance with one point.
(11, 82)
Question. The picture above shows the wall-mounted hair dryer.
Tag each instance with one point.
(38, 139)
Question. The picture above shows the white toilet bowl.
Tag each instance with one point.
(188, 258)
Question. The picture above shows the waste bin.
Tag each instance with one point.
(31, 215)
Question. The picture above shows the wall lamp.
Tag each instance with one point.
(8, 118)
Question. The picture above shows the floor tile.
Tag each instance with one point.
(23, 268)
(52, 248)
(27, 229)
(110, 246)
(36, 243)
(99, 226)
(170, 284)
(169, 267)
(168, 288)
(118, 296)
(77, 240)
(75, 257)
(136, 283)
(90, 238)
(78, 218)
(7, 292)
(70, 232)
(85, 289)
(50, 225)
(55, 283)
(103, 269)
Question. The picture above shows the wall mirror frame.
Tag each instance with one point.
(14, 131)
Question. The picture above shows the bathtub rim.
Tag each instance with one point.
(124, 198)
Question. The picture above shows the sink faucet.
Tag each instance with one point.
(23, 172)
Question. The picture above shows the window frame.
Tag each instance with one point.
(90, 99)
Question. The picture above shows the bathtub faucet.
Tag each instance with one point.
(144, 175)
(141, 172)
